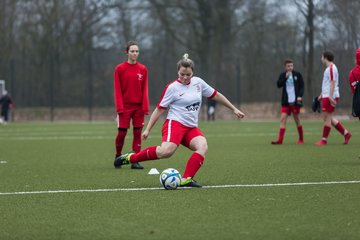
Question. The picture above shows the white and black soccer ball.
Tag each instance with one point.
(170, 179)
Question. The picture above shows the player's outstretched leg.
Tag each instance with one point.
(122, 160)
(144, 155)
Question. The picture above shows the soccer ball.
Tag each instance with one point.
(170, 179)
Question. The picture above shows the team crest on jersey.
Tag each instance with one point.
(140, 76)
(197, 87)
(193, 107)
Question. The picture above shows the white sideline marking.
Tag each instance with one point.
(159, 188)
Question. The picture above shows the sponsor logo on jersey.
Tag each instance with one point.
(193, 107)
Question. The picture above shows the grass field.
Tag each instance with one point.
(45, 167)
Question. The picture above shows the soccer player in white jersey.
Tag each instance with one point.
(329, 98)
(183, 98)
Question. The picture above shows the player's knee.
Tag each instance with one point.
(165, 152)
(283, 119)
(202, 148)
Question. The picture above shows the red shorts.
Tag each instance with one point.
(175, 132)
(290, 109)
(133, 112)
(326, 105)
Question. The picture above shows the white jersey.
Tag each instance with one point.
(330, 73)
(290, 89)
(184, 101)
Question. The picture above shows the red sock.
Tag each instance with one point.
(340, 128)
(119, 141)
(194, 163)
(326, 132)
(281, 134)
(144, 155)
(301, 133)
(136, 146)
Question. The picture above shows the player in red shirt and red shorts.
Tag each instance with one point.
(329, 97)
(131, 100)
(183, 98)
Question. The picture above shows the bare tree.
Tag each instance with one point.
(8, 13)
(307, 9)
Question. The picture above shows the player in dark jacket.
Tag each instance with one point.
(6, 104)
(292, 85)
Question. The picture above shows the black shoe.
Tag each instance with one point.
(189, 182)
(136, 166)
(122, 160)
(116, 163)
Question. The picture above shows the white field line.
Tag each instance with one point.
(159, 188)
(99, 137)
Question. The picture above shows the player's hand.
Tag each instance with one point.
(332, 102)
(239, 113)
(145, 134)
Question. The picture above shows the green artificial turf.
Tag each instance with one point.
(79, 156)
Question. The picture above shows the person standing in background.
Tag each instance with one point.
(6, 104)
(354, 75)
(329, 97)
(211, 104)
(131, 100)
(292, 85)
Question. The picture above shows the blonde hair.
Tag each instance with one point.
(185, 62)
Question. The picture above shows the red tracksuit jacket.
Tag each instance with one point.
(131, 86)
(355, 72)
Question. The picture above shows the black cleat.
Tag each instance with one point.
(136, 166)
(189, 182)
(122, 160)
(116, 163)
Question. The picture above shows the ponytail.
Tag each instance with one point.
(185, 62)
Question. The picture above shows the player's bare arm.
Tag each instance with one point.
(153, 119)
(223, 100)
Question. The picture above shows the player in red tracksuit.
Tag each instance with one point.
(354, 74)
(131, 99)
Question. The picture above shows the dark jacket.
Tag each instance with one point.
(298, 83)
(5, 103)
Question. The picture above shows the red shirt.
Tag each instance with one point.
(131, 86)
(354, 74)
